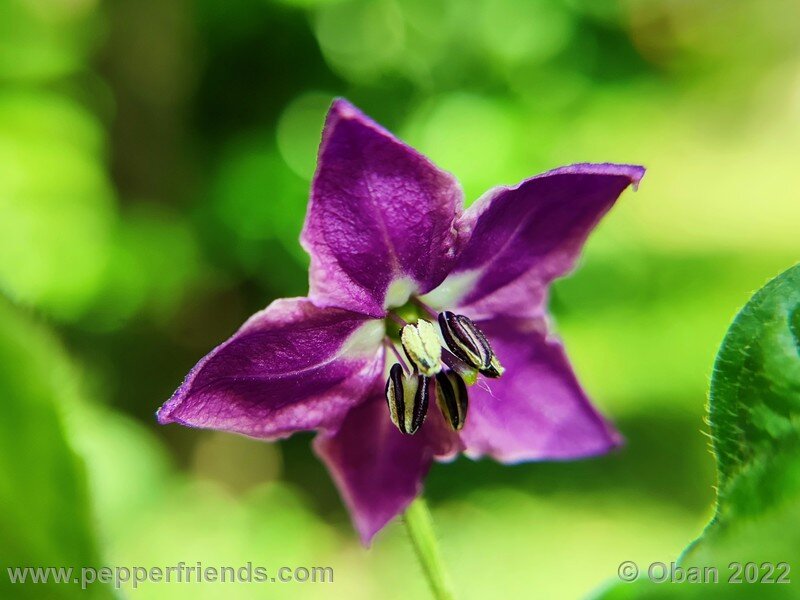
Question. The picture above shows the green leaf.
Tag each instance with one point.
(754, 409)
(45, 518)
(754, 414)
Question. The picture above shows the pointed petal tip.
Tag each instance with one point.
(538, 411)
(166, 414)
(377, 470)
(342, 110)
(368, 528)
(162, 416)
(320, 359)
(367, 523)
(342, 107)
(634, 173)
(366, 533)
(358, 245)
(616, 440)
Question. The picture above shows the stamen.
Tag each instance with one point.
(424, 307)
(451, 397)
(468, 374)
(390, 345)
(397, 319)
(495, 369)
(407, 398)
(421, 345)
(467, 342)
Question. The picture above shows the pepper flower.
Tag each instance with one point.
(425, 332)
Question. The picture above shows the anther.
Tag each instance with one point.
(467, 342)
(451, 397)
(407, 398)
(421, 345)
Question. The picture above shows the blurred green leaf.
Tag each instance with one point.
(57, 203)
(754, 413)
(153, 265)
(45, 517)
(41, 41)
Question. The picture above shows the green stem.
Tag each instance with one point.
(419, 524)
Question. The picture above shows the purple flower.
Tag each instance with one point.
(387, 237)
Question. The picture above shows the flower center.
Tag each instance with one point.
(452, 355)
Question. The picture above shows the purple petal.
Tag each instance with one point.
(380, 220)
(377, 469)
(525, 236)
(291, 367)
(537, 409)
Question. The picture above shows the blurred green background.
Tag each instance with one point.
(155, 158)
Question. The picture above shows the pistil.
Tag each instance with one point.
(425, 308)
(421, 345)
(400, 360)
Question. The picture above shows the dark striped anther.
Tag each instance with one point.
(407, 398)
(469, 344)
(451, 397)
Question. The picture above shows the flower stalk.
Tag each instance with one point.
(419, 524)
